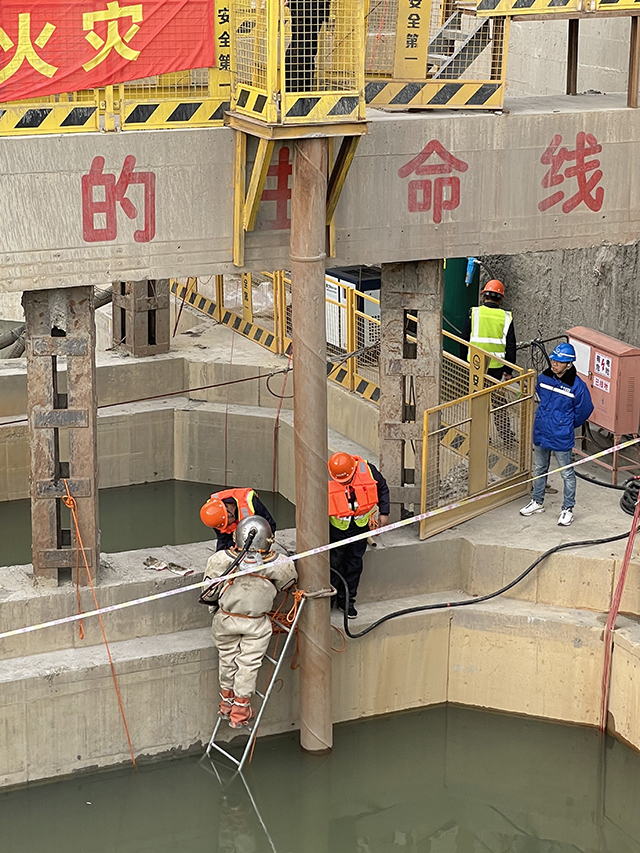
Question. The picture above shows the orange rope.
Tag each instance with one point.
(70, 501)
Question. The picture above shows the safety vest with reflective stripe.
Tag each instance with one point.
(489, 327)
(366, 498)
(244, 499)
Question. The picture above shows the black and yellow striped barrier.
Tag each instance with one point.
(336, 371)
(436, 94)
(24, 120)
(528, 7)
(247, 329)
(174, 113)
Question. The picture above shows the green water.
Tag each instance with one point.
(131, 517)
(445, 780)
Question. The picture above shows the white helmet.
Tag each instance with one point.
(263, 537)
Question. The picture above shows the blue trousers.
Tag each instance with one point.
(541, 461)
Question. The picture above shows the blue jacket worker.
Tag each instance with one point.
(565, 404)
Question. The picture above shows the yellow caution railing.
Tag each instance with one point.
(258, 306)
(459, 462)
(195, 98)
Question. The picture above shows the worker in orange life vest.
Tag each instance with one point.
(225, 509)
(356, 487)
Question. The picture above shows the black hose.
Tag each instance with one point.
(204, 597)
(467, 601)
(629, 499)
(600, 483)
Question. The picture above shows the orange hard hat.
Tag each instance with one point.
(342, 467)
(214, 513)
(494, 286)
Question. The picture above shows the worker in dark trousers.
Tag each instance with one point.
(225, 509)
(490, 328)
(356, 488)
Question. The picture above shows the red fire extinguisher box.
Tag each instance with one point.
(611, 369)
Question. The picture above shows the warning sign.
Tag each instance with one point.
(602, 365)
(602, 384)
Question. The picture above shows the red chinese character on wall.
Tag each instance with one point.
(281, 194)
(101, 193)
(443, 193)
(586, 172)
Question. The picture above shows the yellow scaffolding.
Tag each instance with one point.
(298, 63)
(436, 54)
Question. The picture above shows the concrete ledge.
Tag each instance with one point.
(506, 655)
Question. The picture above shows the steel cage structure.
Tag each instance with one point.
(299, 62)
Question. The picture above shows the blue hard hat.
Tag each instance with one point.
(563, 352)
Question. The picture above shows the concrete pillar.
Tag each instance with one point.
(141, 321)
(308, 229)
(409, 371)
(61, 412)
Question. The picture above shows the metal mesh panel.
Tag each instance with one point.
(263, 301)
(179, 84)
(450, 445)
(368, 340)
(455, 378)
(249, 19)
(288, 324)
(339, 42)
(381, 36)
(336, 319)
(447, 472)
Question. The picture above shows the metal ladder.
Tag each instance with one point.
(253, 727)
(453, 50)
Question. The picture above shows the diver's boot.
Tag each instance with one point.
(241, 713)
(225, 706)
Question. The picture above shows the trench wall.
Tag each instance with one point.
(181, 437)
(522, 656)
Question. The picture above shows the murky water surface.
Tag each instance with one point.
(132, 517)
(445, 780)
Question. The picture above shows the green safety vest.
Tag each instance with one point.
(489, 327)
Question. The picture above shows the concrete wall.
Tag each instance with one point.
(554, 291)
(509, 655)
(537, 61)
(497, 169)
(182, 437)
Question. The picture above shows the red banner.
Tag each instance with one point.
(49, 47)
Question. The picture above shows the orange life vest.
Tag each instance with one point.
(366, 491)
(244, 499)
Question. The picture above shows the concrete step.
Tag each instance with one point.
(60, 712)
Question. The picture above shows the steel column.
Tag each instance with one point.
(308, 218)
(572, 56)
(634, 64)
(62, 428)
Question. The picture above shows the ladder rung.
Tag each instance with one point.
(453, 34)
(438, 58)
(261, 695)
(272, 660)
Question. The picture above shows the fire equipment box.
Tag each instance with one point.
(611, 369)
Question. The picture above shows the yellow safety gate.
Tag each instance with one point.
(459, 462)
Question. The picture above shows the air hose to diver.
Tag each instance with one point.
(630, 499)
(210, 594)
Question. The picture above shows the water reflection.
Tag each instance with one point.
(146, 515)
(438, 781)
